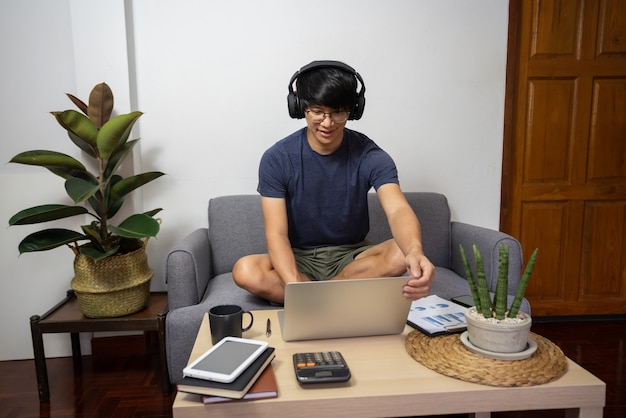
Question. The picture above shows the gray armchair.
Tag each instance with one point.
(199, 267)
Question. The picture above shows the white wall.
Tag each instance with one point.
(211, 78)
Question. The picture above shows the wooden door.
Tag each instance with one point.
(564, 167)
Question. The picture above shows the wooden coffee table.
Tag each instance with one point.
(385, 382)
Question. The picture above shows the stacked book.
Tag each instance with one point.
(258, 381)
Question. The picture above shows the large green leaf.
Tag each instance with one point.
(481, 277)
(118, 157)
(48, 239)
(67, 173)
(502, 287)
(137, 226)
(521, 290)
(114, 207)
(127, 185)
(115, 132)
(111, 206)
(80, 190)
(95, 254)
(470, 279)
(82, 144)
(100, 104)
(153, 212)
(45, 213)
(79, 124)
(93, 232)
(48, 159)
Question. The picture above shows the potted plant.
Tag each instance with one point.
(491, 325)
(112, 276)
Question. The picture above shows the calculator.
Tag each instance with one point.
(320, 367)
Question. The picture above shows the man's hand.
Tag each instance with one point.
(420, 267)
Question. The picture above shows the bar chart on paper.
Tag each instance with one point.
(435, 315)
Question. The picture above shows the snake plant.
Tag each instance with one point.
(99, 194)
(496, 308)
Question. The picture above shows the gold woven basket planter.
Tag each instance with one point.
(115, 286)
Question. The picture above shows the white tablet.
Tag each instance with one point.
(226, 360)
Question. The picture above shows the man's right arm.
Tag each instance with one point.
(277, 238)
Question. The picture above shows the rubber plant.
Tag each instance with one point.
(99, 194)
(496, 308)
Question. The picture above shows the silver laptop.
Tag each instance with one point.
(344, 308)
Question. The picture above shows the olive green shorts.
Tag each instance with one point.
(324, 263)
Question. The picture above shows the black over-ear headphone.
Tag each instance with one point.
(293, 101)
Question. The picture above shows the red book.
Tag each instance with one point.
(265, 387)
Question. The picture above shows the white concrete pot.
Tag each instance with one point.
(506, 336)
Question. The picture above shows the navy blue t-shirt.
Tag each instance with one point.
(326, 195)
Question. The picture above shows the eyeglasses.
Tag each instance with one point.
(317, 116)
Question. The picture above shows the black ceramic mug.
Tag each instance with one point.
(227, 321)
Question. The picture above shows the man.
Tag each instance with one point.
(314, 186)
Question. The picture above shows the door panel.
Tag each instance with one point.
(612, 32)
(546, 222)
(556, 29)
(607, 140)
(602, 274)
(551, 112)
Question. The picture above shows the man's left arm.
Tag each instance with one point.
(407, 233)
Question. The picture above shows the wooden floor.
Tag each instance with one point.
(121, 384)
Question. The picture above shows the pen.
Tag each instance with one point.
(268, 328)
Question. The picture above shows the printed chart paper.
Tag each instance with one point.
(435, 315)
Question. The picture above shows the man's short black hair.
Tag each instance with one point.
(329, 87)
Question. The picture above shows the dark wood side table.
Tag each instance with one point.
(67, 317)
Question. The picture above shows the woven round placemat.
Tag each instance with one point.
(447, 355)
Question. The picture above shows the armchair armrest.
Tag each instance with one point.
(488, 242)
(189, 269)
